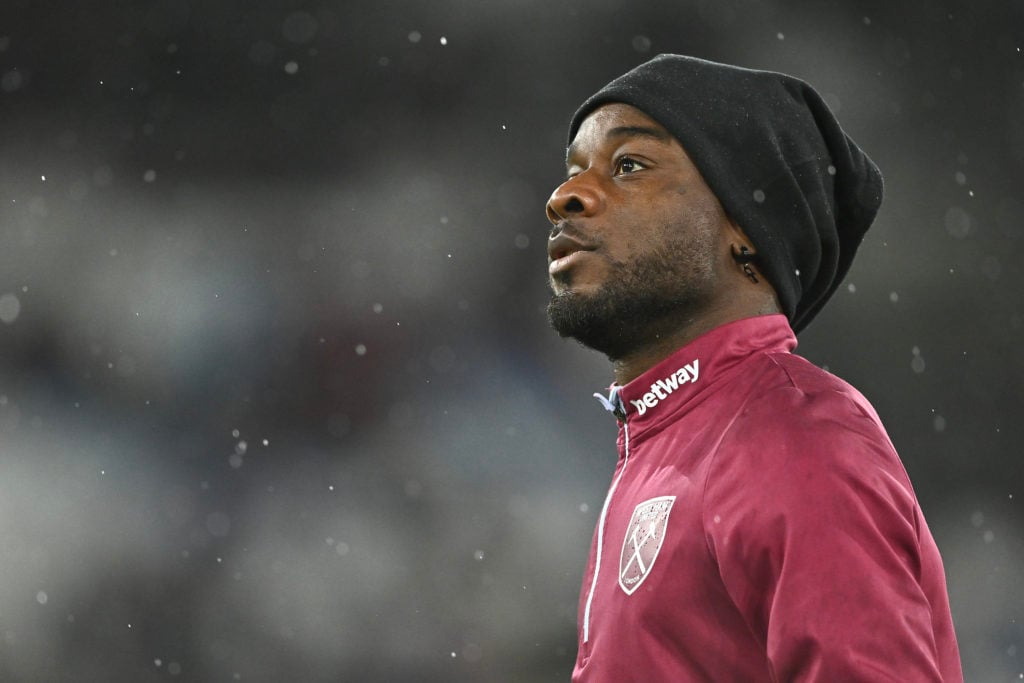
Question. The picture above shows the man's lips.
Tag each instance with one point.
(562, 245)
(566, 261)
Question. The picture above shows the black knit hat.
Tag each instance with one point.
(776, 158)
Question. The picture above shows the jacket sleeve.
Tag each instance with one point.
(817, 535)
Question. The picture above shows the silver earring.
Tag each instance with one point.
(745, 257)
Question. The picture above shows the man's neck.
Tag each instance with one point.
(661, 346)
(664, 344)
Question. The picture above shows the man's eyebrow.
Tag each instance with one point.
(658, 134)
(639, 132)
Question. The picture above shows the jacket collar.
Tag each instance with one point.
(675, 382)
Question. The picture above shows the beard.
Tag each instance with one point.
(641, 301)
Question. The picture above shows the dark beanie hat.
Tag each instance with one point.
(774, 155)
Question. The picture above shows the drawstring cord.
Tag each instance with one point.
(613, 404)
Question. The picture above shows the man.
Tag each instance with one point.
(759, 525)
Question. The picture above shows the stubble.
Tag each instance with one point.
(642, 300)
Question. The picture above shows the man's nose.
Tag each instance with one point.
(576, 197)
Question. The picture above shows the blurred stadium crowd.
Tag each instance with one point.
(278, 400)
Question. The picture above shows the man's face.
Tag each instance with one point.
(638, 244)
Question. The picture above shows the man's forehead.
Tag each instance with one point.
(613, 121)
(617, 110)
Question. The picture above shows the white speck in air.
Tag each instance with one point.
(10, 308)
(641, 44)
(917, 364)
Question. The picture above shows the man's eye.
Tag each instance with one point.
(627, 165)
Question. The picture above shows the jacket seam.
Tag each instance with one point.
(707, 481)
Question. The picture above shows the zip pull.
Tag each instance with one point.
(613, 404)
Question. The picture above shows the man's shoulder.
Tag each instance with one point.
(804, 374)
(803, 426)
(789, 374)
(800, 401)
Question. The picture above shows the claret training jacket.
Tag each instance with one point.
(759, 527)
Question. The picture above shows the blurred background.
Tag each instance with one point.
(278, 400)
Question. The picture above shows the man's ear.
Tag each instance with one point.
(734, 236)
(743, 255)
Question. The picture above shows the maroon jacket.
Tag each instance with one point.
(759, 527)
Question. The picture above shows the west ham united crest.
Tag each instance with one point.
(644, 535)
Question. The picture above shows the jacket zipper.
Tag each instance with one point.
(600, 534)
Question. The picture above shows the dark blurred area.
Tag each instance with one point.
(278, 400)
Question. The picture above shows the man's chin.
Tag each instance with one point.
(564, 312)
(589, 319)
(614, 320)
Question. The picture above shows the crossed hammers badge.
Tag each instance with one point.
(643, 540)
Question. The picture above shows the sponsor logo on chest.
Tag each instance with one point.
(663, 387)
(644, 536)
